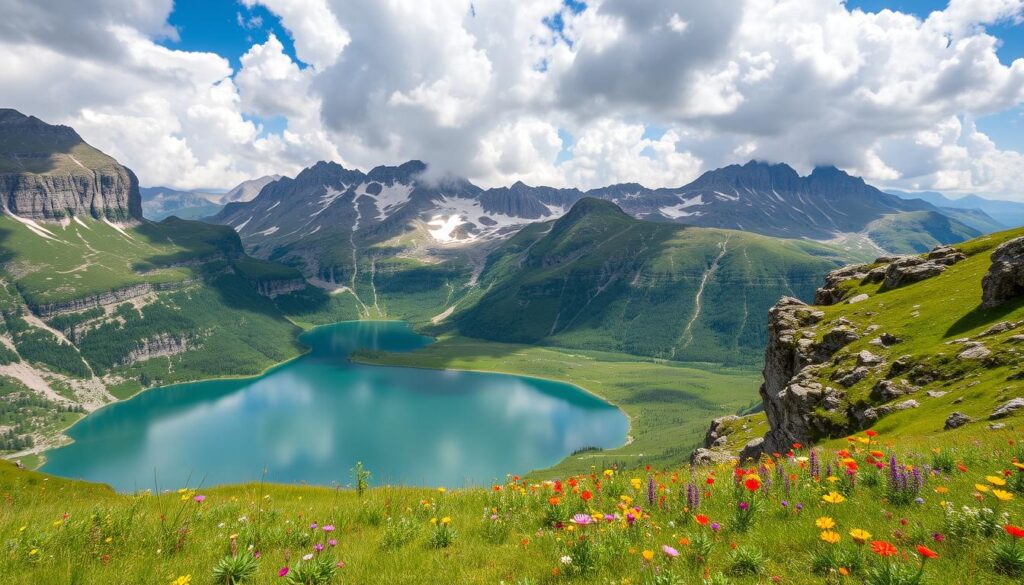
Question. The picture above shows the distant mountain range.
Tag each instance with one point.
(161, 202)
(326, 216)
(1005, 214)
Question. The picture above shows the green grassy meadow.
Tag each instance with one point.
(826, 517)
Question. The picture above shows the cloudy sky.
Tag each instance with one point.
(915, 94)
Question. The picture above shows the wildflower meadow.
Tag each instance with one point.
(864, 511)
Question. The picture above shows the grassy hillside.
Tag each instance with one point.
(599, 279)
(91, 312)
(918, 231)
(932, 320)
(823, 517)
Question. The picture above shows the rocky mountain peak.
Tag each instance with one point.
(47, 172)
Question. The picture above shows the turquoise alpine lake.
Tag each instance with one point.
(310, 420)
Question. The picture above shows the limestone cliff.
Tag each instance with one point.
(48, 172)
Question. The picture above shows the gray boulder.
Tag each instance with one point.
(998, 328)
(1005, 278)
(704, 456)
(753, 449)
(887, 390)
(866, 358)
(975, 351)
(956, 420)
(910, 270)
(853, 377)
(1007, 409)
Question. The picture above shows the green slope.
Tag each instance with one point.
(931, 319)
(599, 279)
(90, 308)
(918, 231)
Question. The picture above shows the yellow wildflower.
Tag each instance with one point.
(1002, 495)
(981, 487)
(636, 483)
(995, 480)
(648, 555)
(182, 580)
(825, 523)
(833, 498)
(441, 490)
(859, 535)
(830, 536)
(446, 520)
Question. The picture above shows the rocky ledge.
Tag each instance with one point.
(891, 271)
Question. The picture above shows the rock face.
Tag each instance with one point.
(790, 392)
(1005, 278)
(106, 298)
(161, 345)
(49, 173)
(273, 288)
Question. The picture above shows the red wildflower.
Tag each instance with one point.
(926, 552)
(871, 433)
(586, 495)
(710, 481)
(702, 519)
(1014, 531)
(883, 548)
(753, 483)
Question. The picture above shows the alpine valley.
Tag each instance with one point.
(896, 316)
(99, 302)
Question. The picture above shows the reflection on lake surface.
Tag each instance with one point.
(311, 419)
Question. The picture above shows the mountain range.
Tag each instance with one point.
(331, 210)
(161, 202)
(1004, 213)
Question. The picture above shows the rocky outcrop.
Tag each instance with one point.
(892, 271)
(791, 391)
(1005, 278)
(705, 456)
(273, 288)
(831, 293)
(48, 172)
(956, 420)
(1007, 409)
(905, 270)
(888, 390)
(161, 345)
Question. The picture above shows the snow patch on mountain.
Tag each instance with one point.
(444, 226)
(451, 212)
(330, 195)
(679, 210)
(242, 225)
(390, 199)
